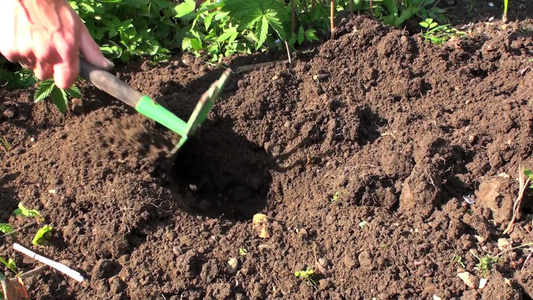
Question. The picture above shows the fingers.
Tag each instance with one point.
(91, 51)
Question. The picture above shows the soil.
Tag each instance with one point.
(384, 163)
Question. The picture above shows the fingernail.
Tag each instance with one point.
(109, 63)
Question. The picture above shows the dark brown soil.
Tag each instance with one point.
(363, 173)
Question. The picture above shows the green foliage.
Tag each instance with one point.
(529, 174)
(6, 228)
(243, 251)
(59, 97)
(17, 79)
(505, 6)
(132, 28)
(10, 264)
(396, 12)
(42, 235)
(307, 275)
(438, 34)
(30, 213)
(4, 143)
(486, 263)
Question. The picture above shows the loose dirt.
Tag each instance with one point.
(382, 162)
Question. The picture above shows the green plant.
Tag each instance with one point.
(6, 228)
(127, 29)
(2, 278)
(30, 213)
(336, 196)
(397, 12)
(6, 145)
(306, 275)
(42, 235)
(505, 6)
(485, 263)
(458, 259)
(243, 251)
(363, 225)
(10, 264)
(59, 97)
(17, 79)
(438, 34)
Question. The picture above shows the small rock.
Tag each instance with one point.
(482, 282)
(435, 297)
(470, 280)
(504, 244)
(77, 106)
(232, 265)
(365, 260)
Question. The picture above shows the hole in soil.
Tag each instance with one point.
(368, 130)
(222, 173)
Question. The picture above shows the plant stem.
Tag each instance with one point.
(332, 16)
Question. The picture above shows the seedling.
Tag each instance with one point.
(30, 213)
(459, 260)
(485, 263)
(337, 196)
(243, 251)
(307, 275)
(42, 235)
(505, 6)
(6, 228)
(529, 174)
(10, 264)
(5, 143)
(438, 34)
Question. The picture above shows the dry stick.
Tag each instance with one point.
(351, 6)
(332, 15)
(32, 272)
(518, 202)
(18, 229)
(56, 265)
(371, 9)
(313, 5)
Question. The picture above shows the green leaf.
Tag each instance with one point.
(43, 90)
(310, 34)
(226, 35)
(60, 99)
(6, 228)
(2, 277)
(30, 213)
(184, 8)
(42, 235)
(263, 32)
(301, 35)
(74, 92)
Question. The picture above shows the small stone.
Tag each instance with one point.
(470, 280)
(365, 260)
(232, 265)
(504, 244)
(482, 282)
(77, 105)
(435, 297)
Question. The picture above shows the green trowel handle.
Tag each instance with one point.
(117, 88)
(108, 83)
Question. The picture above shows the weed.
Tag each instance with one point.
(10, 264)
(30, 213)
(397, 12)
(6, 145)
(307, 275)
(42, 235)
(505, 6)
(243, 251)
(458, 259)
(6, 228)
(529, 174)
(470, 5)
(59, 97)
(485, 263)
(438, 34)
(337, 196)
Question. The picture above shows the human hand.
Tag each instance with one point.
(47, 36)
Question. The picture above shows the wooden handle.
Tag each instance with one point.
(109, 83)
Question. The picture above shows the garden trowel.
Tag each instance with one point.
(117, 88)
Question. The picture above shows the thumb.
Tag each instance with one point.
(91, 51)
